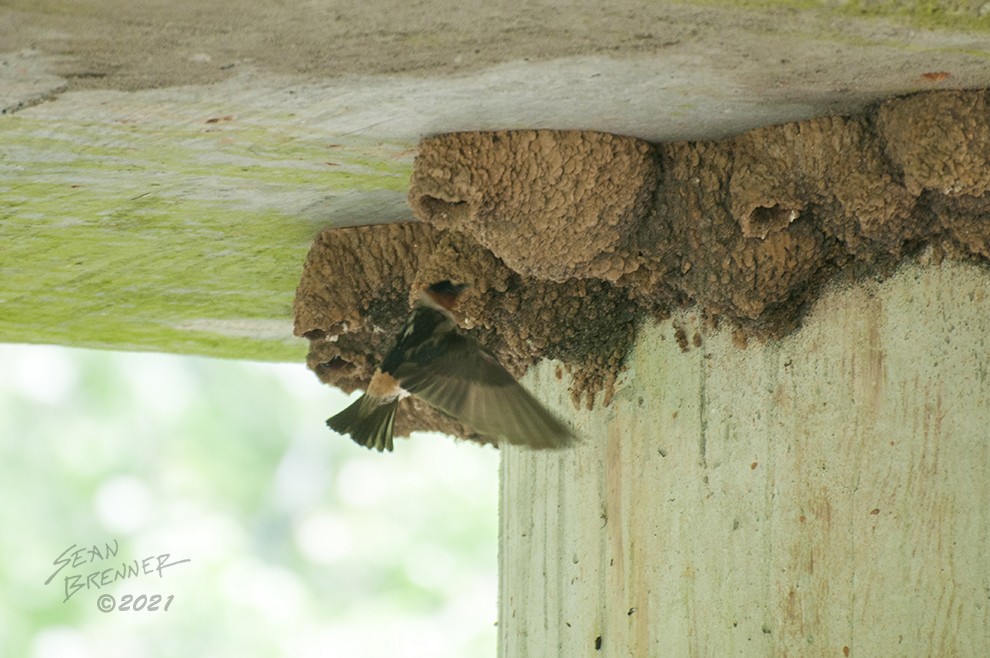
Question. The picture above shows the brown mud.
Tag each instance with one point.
(569, 238)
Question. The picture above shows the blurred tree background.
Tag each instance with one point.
(300, 542)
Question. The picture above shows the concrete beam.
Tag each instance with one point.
(825, 494)
(163, 169)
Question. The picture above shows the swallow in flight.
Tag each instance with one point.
(435, 361)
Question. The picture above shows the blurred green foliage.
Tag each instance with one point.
(300, 542)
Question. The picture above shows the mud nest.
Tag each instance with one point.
(569, 238)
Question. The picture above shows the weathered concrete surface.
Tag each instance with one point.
(174, 219)
(655, 70)
(164, 166)
(825, 495)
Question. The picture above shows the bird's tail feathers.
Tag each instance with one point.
(369, 421)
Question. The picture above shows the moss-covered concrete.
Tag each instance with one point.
(164, 166)
(928, 14)
(175, 233)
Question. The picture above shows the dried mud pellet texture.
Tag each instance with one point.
(940, 141)
(588, 324)
(831, 171)
(708, 257)
(351, 300)
(568, 238)
(356, 292)
(353, 296)
(456, 257)
(551, 204)
(966, 220)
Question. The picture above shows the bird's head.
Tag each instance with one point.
(443, 294)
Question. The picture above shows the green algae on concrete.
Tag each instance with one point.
(927, 14)
(159, 233)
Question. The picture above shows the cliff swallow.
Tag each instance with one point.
(437, 362)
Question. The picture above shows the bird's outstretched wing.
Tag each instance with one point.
(454, 374)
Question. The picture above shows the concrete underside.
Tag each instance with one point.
(173, 161)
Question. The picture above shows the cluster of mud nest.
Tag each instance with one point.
(568, 238)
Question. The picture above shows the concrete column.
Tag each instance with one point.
(827, 494)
